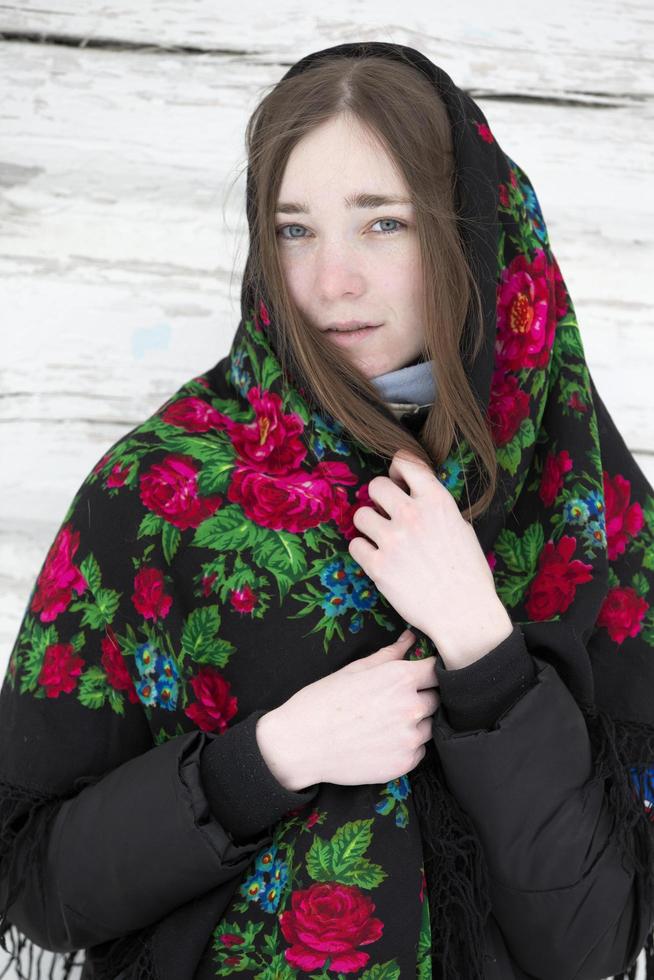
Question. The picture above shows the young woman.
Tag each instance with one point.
(219, 753)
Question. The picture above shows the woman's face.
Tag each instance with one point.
(352, 262)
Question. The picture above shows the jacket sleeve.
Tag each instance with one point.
(104, 829)
(523, 772)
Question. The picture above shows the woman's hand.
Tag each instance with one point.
(426, 560)
(364, 723)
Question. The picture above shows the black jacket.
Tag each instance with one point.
(563, 906)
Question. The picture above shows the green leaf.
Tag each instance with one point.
(151, 524)
(91, 572)
(386, 971)
(215, 474)
(199, 634)
(78, 641)
(227, 530)
(640, 584)
(93, 688)
(99, 613)
(282, 554)
(170, 539)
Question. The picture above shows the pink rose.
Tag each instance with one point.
(292, 501)
(243, 600)
(622, 613)
(622, 519)
(170, 489)
(329, 920)
(149, 597)
(554, 586)
(508, 406)
(60, 670)
(214, 706)
(272, 440)
(59, 578)
(526, 315)
(118, 475)
(115, 667)
(194, 415)
(555, 467)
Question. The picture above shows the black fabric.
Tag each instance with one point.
(182, 598)
(476, 695)
(243, 793)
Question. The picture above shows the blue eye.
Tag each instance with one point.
(384, 231)
(389, 231)
(283, 228)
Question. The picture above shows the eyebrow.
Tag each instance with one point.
(352, 201)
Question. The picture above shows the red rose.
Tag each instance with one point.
(214, 706)
(149, 597)
(526, 313)
(554, 586)
(170, 490)
(622, 613)
(60, 670)
(551, 481)
(272, 441)
(263, 317)
(329, 920)
(118, 475)
(59, 577)
(193, 415)
(622, 519)
(507, 407)
(115, 667)
(207, 583)
(101, 462)
(293, 501)
(243, 600)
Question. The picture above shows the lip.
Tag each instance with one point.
(347, 337)
(350, 324)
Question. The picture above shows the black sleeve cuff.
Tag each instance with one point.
(243, 794)
(475, 696)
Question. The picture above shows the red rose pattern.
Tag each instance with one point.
(622, 613)
(60, 670)
(554, 586)
(214, 706)
(243, 600)
(59, 578)
(149, 597)
(623, 520)
(170, 490)
(118, 475)
(193, 415)
(328, 921)
(115, 667)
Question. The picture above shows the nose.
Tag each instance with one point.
(338, 272)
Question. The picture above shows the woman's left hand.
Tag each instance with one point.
(427, 561)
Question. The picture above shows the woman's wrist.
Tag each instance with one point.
(279, 751)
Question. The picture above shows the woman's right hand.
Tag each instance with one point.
(365, 723)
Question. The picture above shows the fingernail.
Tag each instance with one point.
(406, 635)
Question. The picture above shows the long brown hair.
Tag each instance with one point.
(406, 114)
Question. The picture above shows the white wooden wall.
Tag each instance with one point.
(122, 224)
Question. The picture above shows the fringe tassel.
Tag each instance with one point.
(63, 966)
(456, 874)
(623, 753)
(24, 819)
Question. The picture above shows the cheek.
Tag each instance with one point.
(400, 275)
(295, 277)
